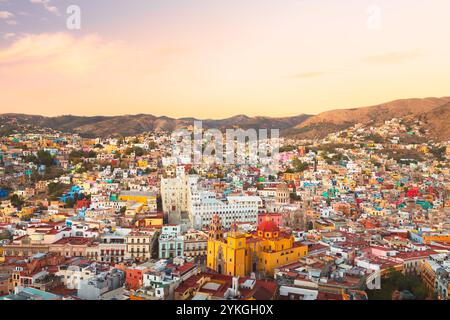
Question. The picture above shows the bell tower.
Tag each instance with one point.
(215, 229)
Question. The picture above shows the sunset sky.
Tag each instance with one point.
(219, 58)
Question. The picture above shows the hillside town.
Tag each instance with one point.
(361, 214)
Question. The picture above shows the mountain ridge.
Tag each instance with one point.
(339, 119)
(432, 110)
(135, 124)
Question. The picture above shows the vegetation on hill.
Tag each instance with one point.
(397, 281)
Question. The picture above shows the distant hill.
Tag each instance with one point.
(128, 125)
(438, 122)
(331, 121)
(433, 111)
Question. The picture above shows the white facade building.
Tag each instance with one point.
(204, 205)
(175, 191)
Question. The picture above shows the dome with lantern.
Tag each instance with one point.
(268, 229)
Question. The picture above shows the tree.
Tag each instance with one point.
(193, 171)
(16, 201)
(299, 166)
(30, 158)
(376, 138)
(56, 190)
(397, 281)
(295, 197)
(152, 145)
(138, 151)
(287, 148)
(92, 154)
(44, 158)
(70, 203)
(438, 153)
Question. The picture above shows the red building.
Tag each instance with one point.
(274, 217)
(85, 203)
(134, 277)
(412, 193)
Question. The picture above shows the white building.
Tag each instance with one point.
(72, 275)
(204, 205)
(175, 191)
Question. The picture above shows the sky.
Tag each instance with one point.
(220, 58)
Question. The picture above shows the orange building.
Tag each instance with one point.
(134, 277)
(151, 220)
(436, 238)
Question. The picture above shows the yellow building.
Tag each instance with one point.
(428, 275)
(142, 163)
(151, 220)
(109, 148)
(26, 212)
(240, 254)
(292, 176)
(138, 196)
(436, 238)
(424, 149)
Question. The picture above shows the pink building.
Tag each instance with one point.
(274, 217)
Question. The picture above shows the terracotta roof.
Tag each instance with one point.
(73, 241)
(268, 226)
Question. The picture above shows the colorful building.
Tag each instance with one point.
(277, 218)
(151, 220)
(239, 254)
(427, 238)
(138, 196)
(134, 277)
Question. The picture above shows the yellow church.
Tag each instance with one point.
(240, 254)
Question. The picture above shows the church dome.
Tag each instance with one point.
(268, 226)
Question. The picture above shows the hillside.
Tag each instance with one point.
(437, 122)
(135, 124)
(435, 112)
(330, 121)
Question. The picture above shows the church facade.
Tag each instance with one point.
(240, 254)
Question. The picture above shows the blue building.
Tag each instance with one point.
(4, 193)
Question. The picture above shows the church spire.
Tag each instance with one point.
(215, 229)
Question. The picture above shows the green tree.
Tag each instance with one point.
(56, 190)
(16, 201)
(299, 166)
(152, 145)
(70, 203)
(138, 151)
(44, 158)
